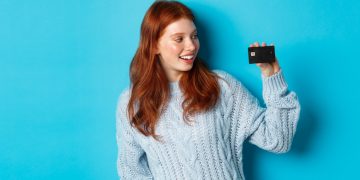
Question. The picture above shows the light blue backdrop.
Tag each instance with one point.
(64, 63)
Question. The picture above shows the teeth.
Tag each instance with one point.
(186, 57)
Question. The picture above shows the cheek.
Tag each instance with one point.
(197, 44)
(174, 49)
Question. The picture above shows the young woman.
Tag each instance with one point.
(180, 120)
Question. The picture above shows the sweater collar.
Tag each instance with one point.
(174, 87)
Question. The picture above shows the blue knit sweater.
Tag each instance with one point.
(211, 148)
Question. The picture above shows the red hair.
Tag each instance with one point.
(150, 89)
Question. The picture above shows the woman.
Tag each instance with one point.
(179, 120)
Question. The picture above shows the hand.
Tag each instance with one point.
(267, 69)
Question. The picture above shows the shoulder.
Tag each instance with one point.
(121, 109)
(123, 100)
(230, 86)
(220, 73)
(226, 80)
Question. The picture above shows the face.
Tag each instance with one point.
(177, 48)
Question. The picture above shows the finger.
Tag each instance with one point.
(263, 44)
(259, 64)
(272, 44)
(262, 65)
(251, 45)
(276, 65)
(256, 44)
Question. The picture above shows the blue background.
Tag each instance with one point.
(64, 63)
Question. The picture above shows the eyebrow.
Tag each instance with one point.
(182, 33)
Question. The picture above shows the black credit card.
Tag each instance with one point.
(264, 54)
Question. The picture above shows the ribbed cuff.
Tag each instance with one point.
(274, 83)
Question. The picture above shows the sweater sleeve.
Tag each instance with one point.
(271, 128)
(132, 161)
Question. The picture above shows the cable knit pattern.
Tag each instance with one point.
(211, 147)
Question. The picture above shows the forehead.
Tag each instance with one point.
(181, 26)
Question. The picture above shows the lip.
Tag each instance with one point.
(188, 55)
(193, 55)
(189, 61)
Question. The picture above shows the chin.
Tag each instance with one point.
(186, 68)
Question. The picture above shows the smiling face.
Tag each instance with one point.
(177, 48)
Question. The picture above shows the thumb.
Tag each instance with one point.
(276, 65)
(263, 65)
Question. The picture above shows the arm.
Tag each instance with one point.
(273, 128)
(270, 128)
(132, 160)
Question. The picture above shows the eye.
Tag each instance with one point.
(178, 39)
(195, 36)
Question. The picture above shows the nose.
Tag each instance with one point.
(191, 45)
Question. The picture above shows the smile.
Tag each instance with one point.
(188, 57)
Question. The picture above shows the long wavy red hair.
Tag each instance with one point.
(150, 89)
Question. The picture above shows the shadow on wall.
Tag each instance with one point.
(308, 120)
(211, 41)
(308, 125)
